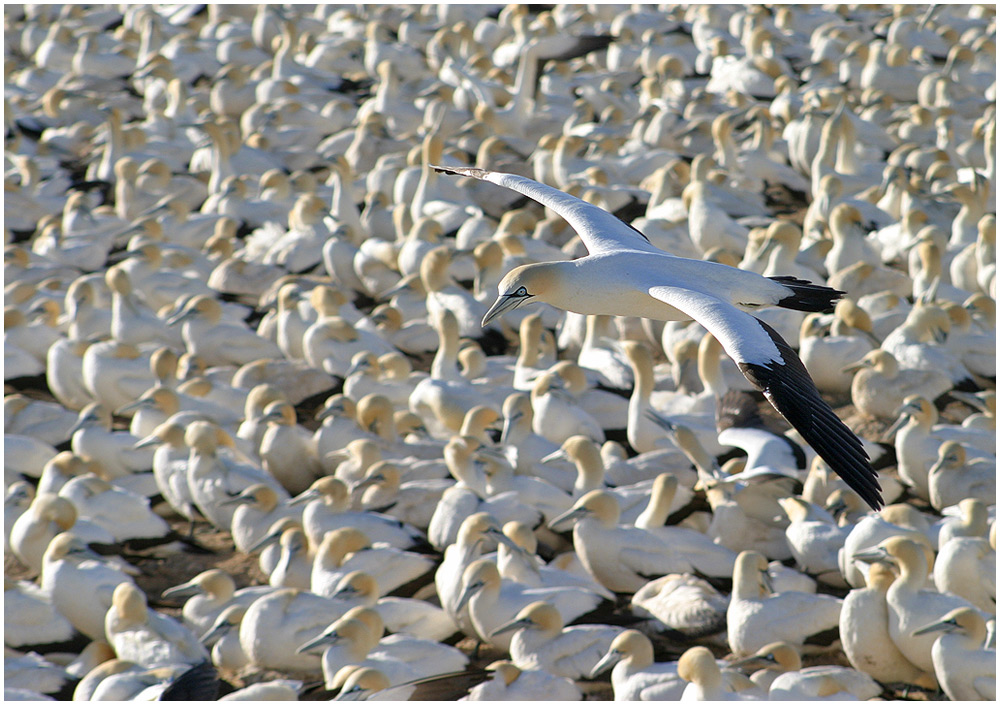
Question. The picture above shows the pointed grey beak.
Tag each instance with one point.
(511, 626)
(607, 661)
(757, 661)
(266, 541)
(180, 316)
(182, 590)
(942, 625)
(872, 555)
(132, 406)
(555, 455)
(508, 424)
(567, 517)
(236, 499)
(324, 639)
(217, 631)
(466, 595)
(501, 537)
(355, 693)
(766, 579)
(660, 420)
(504, 303)
(82, 423)
(897, 424)
(146, 442)
(303, 498)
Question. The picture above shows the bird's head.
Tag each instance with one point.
(528, 283)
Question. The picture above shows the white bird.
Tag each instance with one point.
(327, 507)
(792, 682)
(79, 583)
(401, 615)
(953, 477)
(493, 601)
(757, 617)
(208, 594)
(258, 509)
(347, 549)
(683, 605)
(30, 618)
(356, 638)
(214, 475)
(864, 633)
(706, 680)
(511, 683)
(966, 567)
(170, 463)
(622, 558)
(275, 625)
(814, 538)
(625, 275)
(145, 636)
(123, 514)
(635, 675)
(912, 604)
(540, 642)
(966, 670)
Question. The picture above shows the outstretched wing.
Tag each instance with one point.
(774, 368)
(599, 230)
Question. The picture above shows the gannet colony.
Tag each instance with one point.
(494, 352)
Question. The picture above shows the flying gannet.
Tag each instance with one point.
(625, 275)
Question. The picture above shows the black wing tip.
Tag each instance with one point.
(806, 296)
(787, 385)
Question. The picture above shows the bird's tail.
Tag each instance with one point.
(806, 296)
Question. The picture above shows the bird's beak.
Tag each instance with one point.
(660, 420)
(132, 406)
(854, 366)
(511, 626)
(355, 693)
(568, 517)
(501, 537)
(321, 640)
(554, 456)
(264, 542)
(149, 440)
(357, 367)
(766, 579)
(504, 303)
(508, 424)
(896, 425)
(872, 555)
(235, 499)
(608, 660)
(328, 411)
(180, 316)
(463, 600)
(182, 590)
(752, 661)
(82, 422)
(942, 625)
(303, 498)
(218, 629)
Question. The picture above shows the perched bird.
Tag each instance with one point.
(965, 668)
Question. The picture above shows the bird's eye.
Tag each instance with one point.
(521, 292)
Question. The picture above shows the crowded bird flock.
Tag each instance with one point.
(328, 372)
